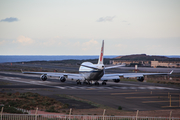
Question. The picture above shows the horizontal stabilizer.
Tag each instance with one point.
(92, 67)
(171, 72)
(122, 65)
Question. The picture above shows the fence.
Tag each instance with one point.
(77, 117)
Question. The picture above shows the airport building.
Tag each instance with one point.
(129, 62)
(147, 63)
(164, 64)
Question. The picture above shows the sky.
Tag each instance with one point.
(77, 27)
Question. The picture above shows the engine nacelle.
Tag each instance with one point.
(62, 79)
(116, 80)
(43, 77)
(140, 79)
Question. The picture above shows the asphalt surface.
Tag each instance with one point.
(75, 68)
(128, 95)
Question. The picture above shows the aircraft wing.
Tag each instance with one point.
(56, 74)
(127, 75)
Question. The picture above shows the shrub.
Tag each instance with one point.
(64, 111)
(12, 110)
(36, 95)
(51, 109)
(119, 108)
(2, 101)
(26, 107)
(9, 94)
(22, 96)
(12, 103)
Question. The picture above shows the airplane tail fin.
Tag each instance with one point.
(100, 61)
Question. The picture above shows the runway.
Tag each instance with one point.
(128, 95)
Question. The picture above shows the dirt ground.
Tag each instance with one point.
(113, 112)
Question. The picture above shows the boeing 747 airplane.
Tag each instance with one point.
(93, 72)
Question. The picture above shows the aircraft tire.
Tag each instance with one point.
(103, 83)
(85, 83)
(78, 83)
(96, 83)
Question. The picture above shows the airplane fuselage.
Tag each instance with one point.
(91, 74)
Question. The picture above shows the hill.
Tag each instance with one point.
(144, 57)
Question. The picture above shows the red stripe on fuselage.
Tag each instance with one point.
(101, 54)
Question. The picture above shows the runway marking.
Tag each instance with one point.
(149, 97)
(90, 89)
(159, 101)
(11, 78)
(59, 87)
(126, 84)
(54, 84)
(169, 106)
(127, 93)
(28, 82)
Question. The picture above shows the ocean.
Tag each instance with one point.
(27, 58)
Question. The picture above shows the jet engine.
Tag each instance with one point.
(140, 79)
(43, 77)
(62, 79)
(116, 80)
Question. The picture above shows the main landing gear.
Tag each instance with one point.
(104, 83)
(96, 83)
(88, 82)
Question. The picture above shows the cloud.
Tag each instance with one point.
(2, 42)
(24, 40)
(11, 19)
(52, 42)
(83, 45)
(124, 21)
(90, 44)
(153, 47)
(121, 46)
(107, 18)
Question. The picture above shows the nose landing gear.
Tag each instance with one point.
(78, 82)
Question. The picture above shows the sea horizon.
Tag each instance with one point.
(28, 58)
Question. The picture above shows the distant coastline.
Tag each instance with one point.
(173, 56)
(27, 58)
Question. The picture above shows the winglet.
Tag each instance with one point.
(171, 72)
(100, 61)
